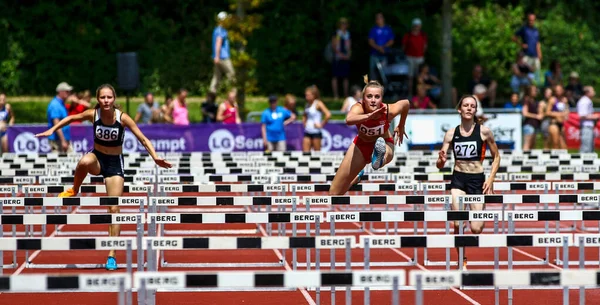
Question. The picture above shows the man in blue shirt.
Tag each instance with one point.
(221, 54)
(273, 120)
(381, 38)
(528, 37)
(60, 141)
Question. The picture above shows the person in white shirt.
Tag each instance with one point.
(587, 119)
(356, 96)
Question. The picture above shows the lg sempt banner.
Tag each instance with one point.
(195, 137)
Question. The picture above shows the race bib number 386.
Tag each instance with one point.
(107, 133)
(465, 149)
(373, 131)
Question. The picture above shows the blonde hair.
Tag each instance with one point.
(371, 83)
(314, 90)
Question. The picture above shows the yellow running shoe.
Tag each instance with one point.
(68, 193)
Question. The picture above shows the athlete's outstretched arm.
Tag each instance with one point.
(488, 186)
(357, 115)
(401, 108)
(442, 156)
(129, 123)
(86, 115)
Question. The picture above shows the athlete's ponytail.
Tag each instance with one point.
(371, 83)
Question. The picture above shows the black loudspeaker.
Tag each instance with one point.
(128, 75)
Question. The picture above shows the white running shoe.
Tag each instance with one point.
(378, 154)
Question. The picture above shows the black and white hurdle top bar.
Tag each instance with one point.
(300, 188)
(503, 278)
(99, 282)
(303, 242)
(289, 169)
(299, 217)
(290, 200)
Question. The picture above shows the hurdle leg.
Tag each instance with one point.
(332, 257)
(415, 232)
(461, 250)
(547, 230)
(565, 267)
(348, 269)
(294, 250)
(307, 205)
(121, 291)
(318, 260)
(140, 253)
(395, 292)
(424, 233)
(581, 267)
(510, 258)
(496, 262)
(151, 293)
(367, 293)
(447, 206)
(141, 292)
(557, 230)
(419, 290)
(129, 259)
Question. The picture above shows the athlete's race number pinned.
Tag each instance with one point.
(107, 133)
(374, 131)
(465, 149)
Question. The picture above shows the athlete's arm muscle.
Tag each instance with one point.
(488, 137)
(441, 161)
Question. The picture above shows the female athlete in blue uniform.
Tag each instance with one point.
(469, 141)
(106, 159)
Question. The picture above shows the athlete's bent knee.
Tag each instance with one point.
(476, 229)
(113, 209)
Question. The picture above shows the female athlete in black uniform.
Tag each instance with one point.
(469, 141)
(106, 159)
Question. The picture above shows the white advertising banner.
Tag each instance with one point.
(428, 129)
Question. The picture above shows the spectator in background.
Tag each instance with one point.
(574, 90)
(587, 119)
(290, 104)
(514, 102)
(480, 78)
(209, 108)
(553, 76)
(7, 118)
(381, 37)
(533, 113)
(414, 45)
(522, 74)
(228, 111)
(479, 92)
(558, 111)
(78, 103)
(341, 44)
(146, 110)
(274, 119)
(353, 99)
(313, 119)
(60, 141)
(528, 38)
(221, 54)
(421, 100)
(164, 115)
(429, 81)
(546, 120)
(178, 109)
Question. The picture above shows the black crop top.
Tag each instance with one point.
(471, 148)
(108, 135)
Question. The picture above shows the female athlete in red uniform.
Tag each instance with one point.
(374, 142)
